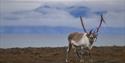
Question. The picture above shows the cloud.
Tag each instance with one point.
(32, 18)
(60, 13)
(15, 5)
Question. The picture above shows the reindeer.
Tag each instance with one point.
(82, 43)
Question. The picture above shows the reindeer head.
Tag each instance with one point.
(92, 35)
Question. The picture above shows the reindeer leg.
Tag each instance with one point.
(78, 55)
(68, 51)
(82, 56)
(90, 56)
(82, 59)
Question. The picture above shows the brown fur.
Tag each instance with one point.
(76, 36)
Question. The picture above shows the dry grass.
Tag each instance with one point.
(57, 55)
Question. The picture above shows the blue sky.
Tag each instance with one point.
(60, 16)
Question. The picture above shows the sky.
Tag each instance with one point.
(61, 16)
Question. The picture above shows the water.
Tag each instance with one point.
(37, 40)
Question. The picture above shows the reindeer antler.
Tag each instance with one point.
(83, 24)
(102, 20)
